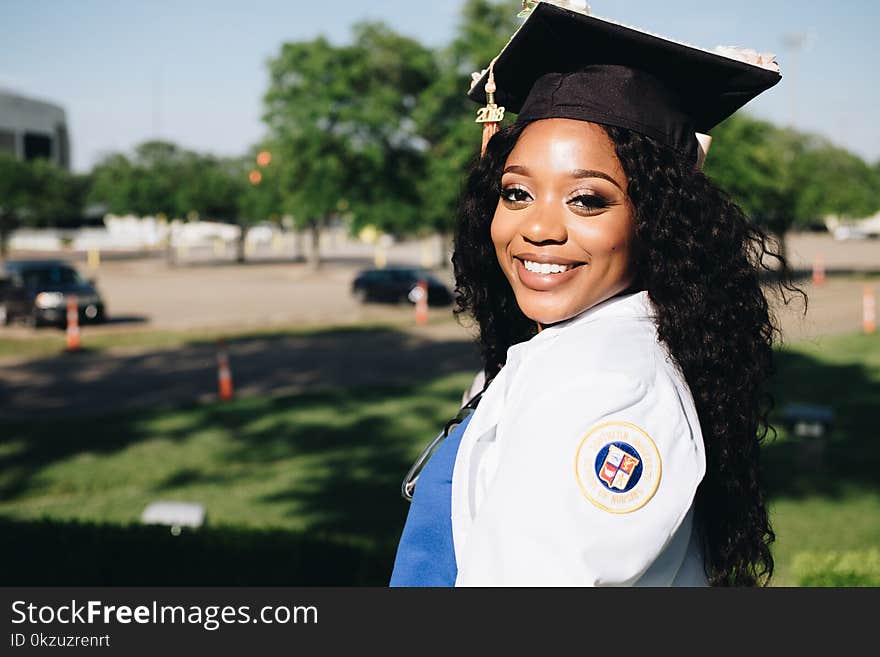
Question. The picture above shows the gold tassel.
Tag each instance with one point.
(489, 129)
(490, 115)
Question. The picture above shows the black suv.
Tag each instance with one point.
(396, 284)
(37, 292)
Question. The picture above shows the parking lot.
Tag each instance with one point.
(270, 290)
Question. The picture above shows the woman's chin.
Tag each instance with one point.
(547, 316)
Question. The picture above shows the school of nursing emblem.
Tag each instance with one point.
(618, 467)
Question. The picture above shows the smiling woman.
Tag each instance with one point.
(626, 339)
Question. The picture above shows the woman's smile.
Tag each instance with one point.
(543, 276)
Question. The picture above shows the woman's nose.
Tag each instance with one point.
(544, 224)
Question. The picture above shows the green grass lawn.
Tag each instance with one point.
(329, 460)
(329, 463)
(828, 507)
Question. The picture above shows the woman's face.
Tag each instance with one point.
(564, 228)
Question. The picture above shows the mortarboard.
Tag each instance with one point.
(564, 63)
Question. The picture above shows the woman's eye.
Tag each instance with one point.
(515, 195)
(589, 202)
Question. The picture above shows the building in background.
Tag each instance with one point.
(31, 129)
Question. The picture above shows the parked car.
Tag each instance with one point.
(396, 285)
(37, 292)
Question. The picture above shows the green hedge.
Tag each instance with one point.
(856, 568)
(53, 553)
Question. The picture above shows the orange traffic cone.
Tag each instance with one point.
(818, 271)
(224, 374)
(422, 302)
(72, 324)
(869, 311)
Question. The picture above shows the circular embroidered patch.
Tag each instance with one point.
(618, 467)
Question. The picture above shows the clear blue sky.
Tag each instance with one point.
(193, 71)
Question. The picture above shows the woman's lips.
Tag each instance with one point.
(543, 282)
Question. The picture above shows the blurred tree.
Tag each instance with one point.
(162, 178)
(209, 186)
(785, 179)
(833, 181)
(340, 122)
(113, 181)
(751, 160)
(261, 200)
(145, 185)
(213, 189)
(445, 116)
(37, 194)
(158, 165)
(14, 185)
(56, 197)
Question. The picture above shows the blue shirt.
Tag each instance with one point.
(425, 554)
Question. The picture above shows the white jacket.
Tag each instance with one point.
(580, 465)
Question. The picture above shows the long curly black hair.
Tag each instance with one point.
(702, 262)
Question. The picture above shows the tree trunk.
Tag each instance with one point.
(8, 223)
(240, 253)
(294, 241)
(4, 242)
(315, 251)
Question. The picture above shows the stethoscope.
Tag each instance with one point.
(409, 482)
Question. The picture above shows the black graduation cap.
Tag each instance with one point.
(566, 64)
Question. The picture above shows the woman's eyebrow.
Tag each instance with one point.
(575, 173)
(592, 173)
(516, 168)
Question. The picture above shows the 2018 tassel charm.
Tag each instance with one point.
(490, 115)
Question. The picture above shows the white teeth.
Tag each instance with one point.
(545, 268)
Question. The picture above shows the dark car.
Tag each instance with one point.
(396, 284)
(37, 292)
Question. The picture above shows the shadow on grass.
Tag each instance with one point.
(58, 553)
(127, 319)
(348, 450)
(95, 383)
(849, 457)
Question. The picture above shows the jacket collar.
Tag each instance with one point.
(636, 305)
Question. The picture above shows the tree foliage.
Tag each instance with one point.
(445, 115)
(787, 179)
(339, 119)
(830, 180)
(162, 178)
(38, 194)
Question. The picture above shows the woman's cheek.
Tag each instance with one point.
(495, 227)
(601, 241)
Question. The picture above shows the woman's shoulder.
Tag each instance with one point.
(629, 347)
(620, 362)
